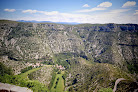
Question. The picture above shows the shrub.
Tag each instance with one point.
(105, 90)
(5, 70)
(26, 69)
(59, 72)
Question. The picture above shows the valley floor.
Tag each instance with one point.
(38, 80)
(58, 85)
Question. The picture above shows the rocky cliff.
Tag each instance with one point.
(103, 43)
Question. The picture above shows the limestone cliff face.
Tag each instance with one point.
(36, 41)
(111, 43)
(64, 42)
(106, 43)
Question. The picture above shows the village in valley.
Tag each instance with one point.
(60, 67)
(34, 65)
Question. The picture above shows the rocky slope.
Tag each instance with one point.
(94, 55)
(104, 43)
(43, 75)
(84, 77)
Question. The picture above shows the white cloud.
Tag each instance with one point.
(113, 16)
(129, 4)
(105, 4)
(29, 11)
(48, 13)
(43, 12)
(9, 10)
(92, 9)
(119, 10)
(136, 13)
(85, 5)
(101, 6)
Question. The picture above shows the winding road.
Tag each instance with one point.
(116, 82)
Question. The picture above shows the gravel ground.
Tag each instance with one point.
(10, 87)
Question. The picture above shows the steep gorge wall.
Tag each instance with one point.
(35, 41)
(106, 43)
(111, 43)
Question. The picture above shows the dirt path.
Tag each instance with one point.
(14, 88)
(116, 82)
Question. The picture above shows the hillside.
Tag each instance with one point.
(94, 55)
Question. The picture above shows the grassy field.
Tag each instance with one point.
(25, 75)
(60, 83)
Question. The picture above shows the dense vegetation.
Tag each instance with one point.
(6, 76)
(63, 59)
(17, 80)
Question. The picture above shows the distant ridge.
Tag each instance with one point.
(34, 21)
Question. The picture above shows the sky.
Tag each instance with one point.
(80, 11)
